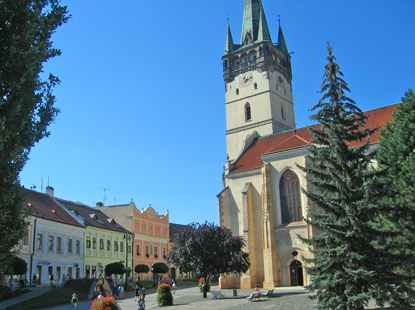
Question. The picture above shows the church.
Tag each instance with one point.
(261, 198)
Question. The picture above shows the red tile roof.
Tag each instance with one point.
(43, 206)
(301, 137)
(92, 216)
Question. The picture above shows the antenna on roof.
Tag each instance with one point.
(105, 195)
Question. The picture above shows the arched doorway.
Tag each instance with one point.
(296, 273)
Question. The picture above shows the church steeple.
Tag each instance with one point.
(281, 41)
(229, 40)
(254, 26)
(257, 76)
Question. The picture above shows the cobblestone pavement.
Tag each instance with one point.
(295, 298)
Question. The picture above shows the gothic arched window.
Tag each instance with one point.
(247, 112)
(290, 197)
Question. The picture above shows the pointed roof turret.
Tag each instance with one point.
(263, 31)
(254, 26)
(281, 41)
(229, 40)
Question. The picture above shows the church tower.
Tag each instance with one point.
(257, 74)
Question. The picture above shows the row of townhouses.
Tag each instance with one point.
(72, 240)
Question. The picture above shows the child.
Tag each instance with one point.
(140, 304)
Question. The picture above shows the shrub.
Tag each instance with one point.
(57, 296)
(147, 284)
(164, 295)
(105, 303)
(80, 285)
(5, 292)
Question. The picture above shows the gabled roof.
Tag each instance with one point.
(92, 216)
(301, 137)
(43, 206)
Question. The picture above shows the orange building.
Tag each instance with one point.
(151, 240)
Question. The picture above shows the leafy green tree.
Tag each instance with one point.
(26, 101)
(348, 268)
(210, 250)
(396, 158)
(114, 268)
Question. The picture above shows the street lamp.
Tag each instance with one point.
(127, 238)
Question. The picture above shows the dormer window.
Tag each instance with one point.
(247, 112)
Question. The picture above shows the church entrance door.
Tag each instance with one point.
(296, 273)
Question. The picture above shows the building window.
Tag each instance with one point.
(101, 244)
(69, 246)
(50, 244)
(247, 112)
(59, 244)
(237, 91)
(69, 272)
(115, 245)
(128, 248)
(147, 254)
(78, 247)
(282, 113)
(290, 197)
(94, 243)
(108, 245)
(255, 86)
(138, 249)
(88, 242)
(87, 270)
(25, 240)
(58, 272)
(121, 246)
(39, 242)
(155, 252)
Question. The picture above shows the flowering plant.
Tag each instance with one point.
(164, 295)
(105, 303)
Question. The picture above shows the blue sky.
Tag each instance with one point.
(142, 94)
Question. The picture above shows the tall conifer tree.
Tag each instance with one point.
(396, 158)
(347, 269)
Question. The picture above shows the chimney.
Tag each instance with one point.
(99, 204)
(50, 191)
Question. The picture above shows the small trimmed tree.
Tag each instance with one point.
(210, 250)
(141, 268)
(18, 266)
(114, 268)
(159, 268)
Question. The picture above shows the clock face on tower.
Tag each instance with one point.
(245, 79)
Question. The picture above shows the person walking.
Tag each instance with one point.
(121, 291)
(137, 291)
(74, 301)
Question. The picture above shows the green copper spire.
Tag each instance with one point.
(254, 27)
(263, 31)
(281, 41)
(229, 41)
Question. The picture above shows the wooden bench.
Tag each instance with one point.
(254, 296)
(217, 294)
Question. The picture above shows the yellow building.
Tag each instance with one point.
(261, 198)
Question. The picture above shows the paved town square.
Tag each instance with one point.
(295, 298)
